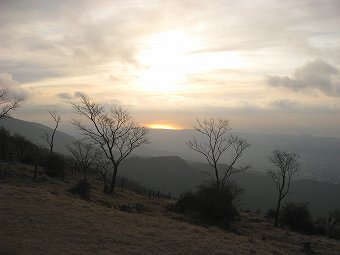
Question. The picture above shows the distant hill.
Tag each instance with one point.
(320, 156)
(165, 173)
(34, 132)
(173, 174)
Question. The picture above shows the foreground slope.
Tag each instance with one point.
(45, 218)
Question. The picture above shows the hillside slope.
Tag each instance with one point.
(44, 218)
(34, 131)
(167, 173)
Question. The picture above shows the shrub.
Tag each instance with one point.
(57, 165)
(82, 188)
(297, 217)
(210, 204)
(320, 226)
(333, 224)
(270, 214)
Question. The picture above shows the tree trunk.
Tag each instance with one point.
(113, 180)
(217, 177)
(35, 172)
(49, 161)
(277, 214)
(63, 174)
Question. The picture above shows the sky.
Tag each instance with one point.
(267, 66)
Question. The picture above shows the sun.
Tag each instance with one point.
(162, 126)
(164, 60)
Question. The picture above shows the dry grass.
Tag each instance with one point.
(44, 218)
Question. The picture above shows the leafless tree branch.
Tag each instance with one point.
(286, 165)
(111, 128)
(218, 141)
(8, 103)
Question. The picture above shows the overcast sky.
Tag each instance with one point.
(268, 66)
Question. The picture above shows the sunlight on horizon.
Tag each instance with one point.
(163, 126)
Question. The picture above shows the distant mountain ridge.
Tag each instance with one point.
(320, 156)
(175, 175)
(34, 131)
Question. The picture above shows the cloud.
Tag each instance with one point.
(7, 81)
(64, 96)
(284, 104)
(79, 94)
(314, 76)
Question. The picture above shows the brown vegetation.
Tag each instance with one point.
(43, 217)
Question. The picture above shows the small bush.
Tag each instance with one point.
(270, 214)
(297, 217)
(210, 204)
(57, 165)
(82, 188)
(333, 224)
(320, 226)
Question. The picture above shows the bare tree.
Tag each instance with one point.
(84, 155)
(286, 165)
(112, 128)
(103, 168)
(49, 137)
(8, 103)
(219, 145)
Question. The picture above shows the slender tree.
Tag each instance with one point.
(219, 145)
(103, 168)
(111, 128)
(84, 155)
(286, 165)
(8, 103)
(49, 137)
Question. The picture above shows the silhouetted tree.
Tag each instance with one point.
(49, 137)
(8, 103)
(103, 168)
(286, 165)
(22, 145)
(84, 155)
(6, 145)
(218, 145)
(112, 128)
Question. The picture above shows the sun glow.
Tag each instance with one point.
(162, 126)
(168, 58)
(165, 60)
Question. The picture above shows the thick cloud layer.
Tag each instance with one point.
(316, 75)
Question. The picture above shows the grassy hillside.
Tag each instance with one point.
(43, 217)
